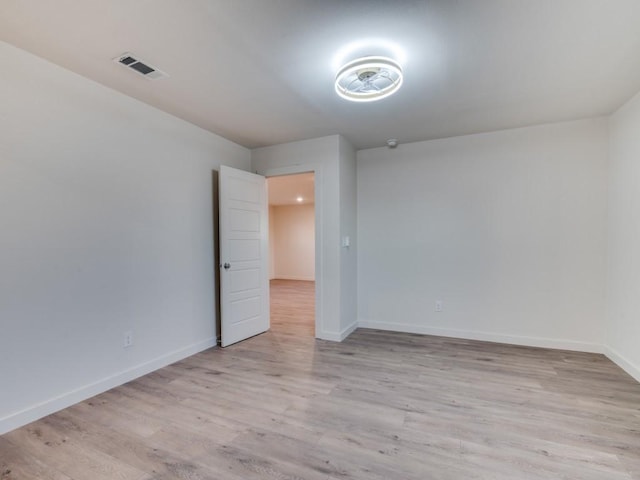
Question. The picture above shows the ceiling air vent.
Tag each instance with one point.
(143, 68)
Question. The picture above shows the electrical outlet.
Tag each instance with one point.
(128, 339)
(438, 305)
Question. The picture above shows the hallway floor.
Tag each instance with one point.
(293, 307)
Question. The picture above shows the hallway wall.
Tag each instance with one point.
(293, 241)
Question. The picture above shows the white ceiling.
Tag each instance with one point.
(260, 72)
(285, 190)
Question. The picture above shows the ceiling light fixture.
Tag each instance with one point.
(368, 79)
(299, 199)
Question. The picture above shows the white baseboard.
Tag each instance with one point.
(52, 405)
(288, 277)
(484, 336)
(622, 362)
(339, 336)
(348, 331)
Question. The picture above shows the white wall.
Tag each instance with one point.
(348, 228)
(106, 227)
(293, 241)
(321, 156)
(623, 280)
(506, 228)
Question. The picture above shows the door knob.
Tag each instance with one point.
(226, 266)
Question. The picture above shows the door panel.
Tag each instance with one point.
(244, 279)
(244, 255)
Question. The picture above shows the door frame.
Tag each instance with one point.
(316, 169)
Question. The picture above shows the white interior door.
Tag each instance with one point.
(244, 255)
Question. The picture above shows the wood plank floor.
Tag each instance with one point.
(379, 405)
(293, 307)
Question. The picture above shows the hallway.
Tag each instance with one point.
(293, 307)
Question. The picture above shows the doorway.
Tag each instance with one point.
(292, 253)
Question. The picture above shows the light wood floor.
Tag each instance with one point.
(378, 406)
(293, 308)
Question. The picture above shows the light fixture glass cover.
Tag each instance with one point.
(368, 79)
